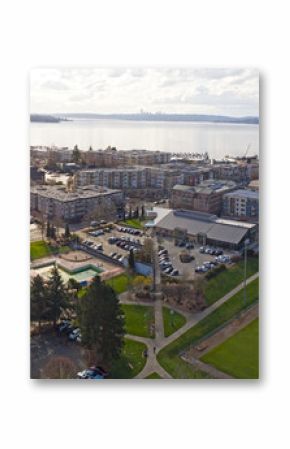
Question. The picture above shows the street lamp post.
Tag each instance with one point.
(246, 242)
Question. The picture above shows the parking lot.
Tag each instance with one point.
(131, 240)
(187, 269)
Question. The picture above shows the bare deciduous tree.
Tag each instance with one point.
(59, 367)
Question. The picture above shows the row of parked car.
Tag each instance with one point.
(206, 266)
(99, 232)
(165, 263)
(211, 250)
(126, 243)
(184, 243)
(93, 245)
(73, 333)
(132, 231)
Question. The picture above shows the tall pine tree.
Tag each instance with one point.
(101, 321)
(38, 300)
(56, 295)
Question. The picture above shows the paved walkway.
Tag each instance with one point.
(160, 341)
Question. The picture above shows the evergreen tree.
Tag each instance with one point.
(56, 295)
(130, 212)
(101, 321)
(143, 211)
(131, 260)
(52, 232)
(76, 155)
(137, 212)
(48, 230)
(67, 231)
(91, 148)
(38, 300)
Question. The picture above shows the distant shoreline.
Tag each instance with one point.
(56, 118)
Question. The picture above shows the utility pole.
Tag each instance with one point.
(246, 242)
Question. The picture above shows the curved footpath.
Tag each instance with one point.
(154, 345)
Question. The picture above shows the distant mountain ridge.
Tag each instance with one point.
(45, 118)
(162, 117)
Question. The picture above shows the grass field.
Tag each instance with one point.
(153, 376)
(172, 321)
(136, 223)
(42, 249)
(131, 362)
(119, 283)
(39, 249)
(169, 357)
(225, 281)
(239, 355)
(138, 320)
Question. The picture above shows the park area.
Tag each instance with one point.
(239, 355)
(41, 249)
(172, 321)
(139, 320)
(225, 281)
(169, 357)
(131, 362)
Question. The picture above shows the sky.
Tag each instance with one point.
(219, 91)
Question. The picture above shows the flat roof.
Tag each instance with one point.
(60, 193)
(242, 193)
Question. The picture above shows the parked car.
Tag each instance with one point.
(202, 249)
(63, 325)
(175, 272)
(168, 270)
(112, 254)
(89, 374)
(74, 334)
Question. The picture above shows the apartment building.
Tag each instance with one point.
(71, 205)
(241, 204)
(239, 171)
(204, 197)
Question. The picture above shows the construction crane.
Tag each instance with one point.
(247, 149)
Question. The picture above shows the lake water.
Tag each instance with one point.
(218, 139)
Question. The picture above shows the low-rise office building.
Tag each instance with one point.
(71, 205)
(204, 228)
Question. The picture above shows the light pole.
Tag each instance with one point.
(246, 242)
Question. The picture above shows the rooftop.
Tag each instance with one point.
(208, 186)
(195, 223)
(60, 193)
(243, 193)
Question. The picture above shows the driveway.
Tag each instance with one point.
(45, 346)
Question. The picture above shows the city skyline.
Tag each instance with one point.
(233, 92)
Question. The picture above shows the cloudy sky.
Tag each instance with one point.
(233, 92)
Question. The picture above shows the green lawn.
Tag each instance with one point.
(225, 281)
(172, 321)
(42, 249)
(131, 362)
(153, 376)
(169, 358)
(239, 355)
(119, 283)
(136, 223)
(139, 319)
(39, 249)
